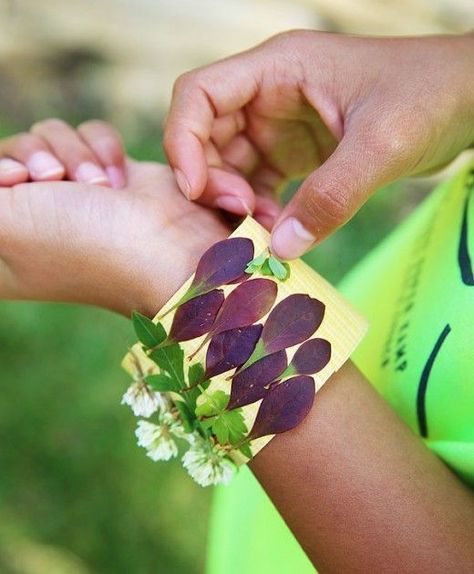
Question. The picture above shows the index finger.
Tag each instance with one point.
(199, 97)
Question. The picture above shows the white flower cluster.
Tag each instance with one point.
(142, 399)
(205, 463)
(208, 465)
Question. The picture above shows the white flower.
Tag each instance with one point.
(142, 399)
(157, 440)
(175, 426)
(208, 465)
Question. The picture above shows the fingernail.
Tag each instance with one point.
(116, 176)
(10, 166)
(233, 204)
(183, 183)
(43, 165)
(88, 172)
(290, 239)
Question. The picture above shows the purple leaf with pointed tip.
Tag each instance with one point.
(196, 317)
(230, 349)
(223, 263)
(311, 357)
(248, 386)
(246, 304)
(284, 406)
(292, 321)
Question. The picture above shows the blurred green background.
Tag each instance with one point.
(77, 495)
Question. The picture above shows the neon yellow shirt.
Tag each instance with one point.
(417, 290)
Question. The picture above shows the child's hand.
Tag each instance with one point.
(348, 113)
(124, 249)
(52, 150)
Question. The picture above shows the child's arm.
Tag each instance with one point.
(358, 489)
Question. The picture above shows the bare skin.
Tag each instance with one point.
(349, 114)
(360, 491)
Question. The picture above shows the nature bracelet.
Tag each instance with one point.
(236, 356)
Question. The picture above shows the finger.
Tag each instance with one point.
(266, 211)
(228, 191)
(224, 129)
(80, 162)
(12, 172)
(241, 154)
(106, 143)
(34, 153)
(332, 194)
(266, 181)
(199, 98)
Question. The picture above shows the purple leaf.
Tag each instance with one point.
(291, 322)
(231, 349)
(248, 386)
(196, 317)
(284, 406)
(311, 357)
(246, 304)
(223, 263)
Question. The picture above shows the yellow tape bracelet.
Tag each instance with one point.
(335, 335)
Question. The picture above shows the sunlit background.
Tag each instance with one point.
(77, 496)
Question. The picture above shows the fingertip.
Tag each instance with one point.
(43, 166)
(290, 239)
(12, 172)
(229, 191)
(232, 204)
(184, 185)
(116, 176)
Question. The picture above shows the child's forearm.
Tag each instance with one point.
(361, 492)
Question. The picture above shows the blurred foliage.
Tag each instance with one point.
(76, 494)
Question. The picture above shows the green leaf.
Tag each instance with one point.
(213, 405)
(278, 268)
(162, 383)
(148, 333)
(266, 270)
(256, 263)
(170, 359)
(187, 416)
(195, 374)
(229, 426)
(221, 430)
(246, 450)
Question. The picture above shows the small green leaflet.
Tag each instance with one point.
(187, 416)
(215, 404)
(162, 383)
(246, 450)
(170, 359)
(265, 269)
(228, 426)
(195, 375)
(256, 263)
(269, 266)
(281, 270)
(149, 334)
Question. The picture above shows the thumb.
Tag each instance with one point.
(331, 195)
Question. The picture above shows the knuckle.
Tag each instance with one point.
(185, 81)
(326, 209)
(50, 124)
(26, 142)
